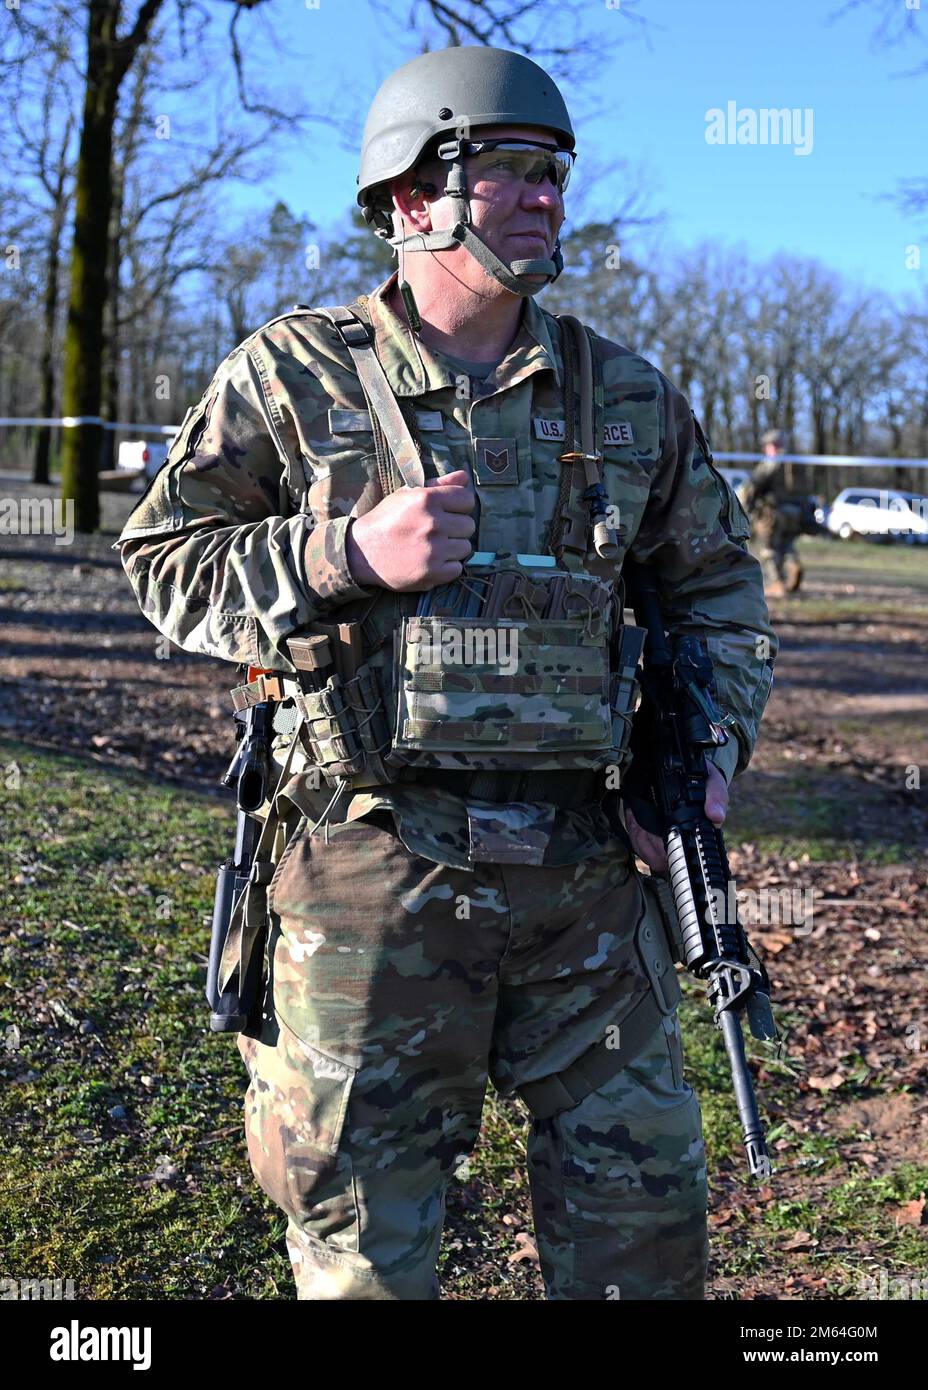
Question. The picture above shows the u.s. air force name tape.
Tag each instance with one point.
(616, 432)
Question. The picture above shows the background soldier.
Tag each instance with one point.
(776, 516)
(433, 927)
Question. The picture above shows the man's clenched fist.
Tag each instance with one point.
(415, 538)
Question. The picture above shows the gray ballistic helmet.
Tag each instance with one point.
(452, 92)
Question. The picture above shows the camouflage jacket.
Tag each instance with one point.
(766, 488)
(240, 539)
(775, 510)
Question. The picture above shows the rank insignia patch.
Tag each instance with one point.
(497, 461)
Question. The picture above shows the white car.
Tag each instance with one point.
(142, 457)
(874, 511)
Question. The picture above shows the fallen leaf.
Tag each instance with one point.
(775, 941)
(800, 1239)
(911, 1213)
(527, 1249)
(827, 1083)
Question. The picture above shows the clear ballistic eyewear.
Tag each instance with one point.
(505, 161)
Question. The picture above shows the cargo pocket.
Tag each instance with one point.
(654, 948)
(284, 859)
(671, 1027)
(320, 1171)
(297, 1133)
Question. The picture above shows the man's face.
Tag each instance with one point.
(517, 220)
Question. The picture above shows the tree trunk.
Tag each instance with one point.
(108, 59)
(112, 343)
(83, 346)
(41, 464)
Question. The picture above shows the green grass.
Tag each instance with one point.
(892, 570)
(113, 927)
(802, 818)
(842, 561)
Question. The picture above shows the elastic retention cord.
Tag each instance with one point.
(342, 786)
(529, 608)
(478, 594)
(592, 612)
(367, 719)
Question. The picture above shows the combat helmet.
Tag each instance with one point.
(444, 93)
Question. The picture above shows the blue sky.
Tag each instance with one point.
(647, 103)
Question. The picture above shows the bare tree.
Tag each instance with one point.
(169, 178)
(897, 25)
(559, 36)
(112, 48)
(43, 155)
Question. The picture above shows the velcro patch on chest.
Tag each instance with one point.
(343, 421)
(616, 432)
(495, 461)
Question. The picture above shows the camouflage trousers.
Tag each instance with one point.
(781, 565)
(777, 553)
(398, 986)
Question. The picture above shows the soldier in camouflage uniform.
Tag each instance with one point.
(776, 518)
(443, 928)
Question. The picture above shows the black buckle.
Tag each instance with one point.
(356, 334)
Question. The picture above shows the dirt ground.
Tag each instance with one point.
(833, 800)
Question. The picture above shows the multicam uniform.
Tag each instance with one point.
(776, 522)
(439, 930)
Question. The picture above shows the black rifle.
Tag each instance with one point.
(233, 1008)
(666, 789)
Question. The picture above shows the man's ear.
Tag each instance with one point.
(414, 206)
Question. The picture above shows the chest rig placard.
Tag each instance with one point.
(522, 664)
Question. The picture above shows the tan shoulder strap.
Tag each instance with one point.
(592, 419)
(358, 338)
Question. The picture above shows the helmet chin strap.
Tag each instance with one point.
(513, 276)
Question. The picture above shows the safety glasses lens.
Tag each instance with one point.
(507, 163)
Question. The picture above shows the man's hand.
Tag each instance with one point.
(416, 537)
(650, 847)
